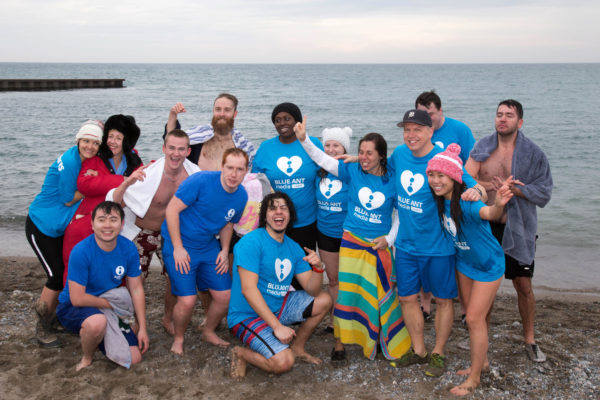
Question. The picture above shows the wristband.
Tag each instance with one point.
(478, 191)
(318, 270)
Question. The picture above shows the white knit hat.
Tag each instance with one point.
(341, 135)
(91, 129)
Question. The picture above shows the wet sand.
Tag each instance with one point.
(566, 329)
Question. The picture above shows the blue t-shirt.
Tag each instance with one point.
(290, 170)
(48, 211)
(454, 131)
(99, 270)
(275, 264)
(209, 208)
(420, 232)
(332, 203)
(371, 200)
(478, 253)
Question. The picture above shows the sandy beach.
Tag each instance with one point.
(566, 329)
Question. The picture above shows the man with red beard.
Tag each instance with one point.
(208, 142)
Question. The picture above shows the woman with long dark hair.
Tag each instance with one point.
(479, 257)
(367, 312)
(116, 159)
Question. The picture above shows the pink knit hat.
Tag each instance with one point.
(448, 163)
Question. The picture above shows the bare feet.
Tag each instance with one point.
(212, 338)
(238, 364)
(304, 356)
(82, 364)
(177, 347)
(169, 327)
(463, 389)
(467, 371)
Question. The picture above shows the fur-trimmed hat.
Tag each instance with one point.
(289, 108)
(341, 135)
(448, 163)
(124, 124)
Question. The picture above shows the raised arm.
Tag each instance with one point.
(324, 161)
(177, 109)
(137, 175)
(312, 281)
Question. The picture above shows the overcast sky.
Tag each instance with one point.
(296, 31)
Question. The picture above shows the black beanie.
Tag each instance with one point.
(289, 108)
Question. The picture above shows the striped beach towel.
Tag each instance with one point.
(367, 310)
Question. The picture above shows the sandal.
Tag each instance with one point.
(338, 355)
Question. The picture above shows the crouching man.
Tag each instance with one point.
(93, 303)
(261, 308)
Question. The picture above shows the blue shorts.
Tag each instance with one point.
(436, 274)
(256, 334)
(72, 317)
(202, 275)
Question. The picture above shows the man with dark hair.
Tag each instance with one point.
(261, 307)
(145, 195)
(445, 130)
(208, 142)
(494, 158)
(93, 303)
(205, 204)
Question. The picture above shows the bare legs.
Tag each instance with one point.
(413, 319)
(182, 313)
(284, 360)
(478, 298)
(170, 301)
(526, 302)
(215, 313)
(91, 333)
(332, 266)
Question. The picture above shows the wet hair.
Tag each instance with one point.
(108, 207)
(227, 96)
(235, 152)
(268, 202)
(131, 133)
(455, 211)
(426, 98)
(381, 147)
(510, 103)
(177, 133)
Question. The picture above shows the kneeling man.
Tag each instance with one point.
(93, 303)
(265, 261)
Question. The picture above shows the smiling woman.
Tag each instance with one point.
(290, 170)
(365, 266)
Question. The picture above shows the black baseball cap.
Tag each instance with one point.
(420, 117)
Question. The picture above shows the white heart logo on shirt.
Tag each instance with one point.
(289, 165)
(369, 199)
(411, 183)
(329, 187)
(439, 144)
(449, 225)
(282, 268)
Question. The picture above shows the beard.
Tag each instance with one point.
(222, 126)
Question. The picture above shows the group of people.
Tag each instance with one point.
(255, 231)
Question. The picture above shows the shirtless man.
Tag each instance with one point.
(145, 195)
(494, 158)
(208, 142)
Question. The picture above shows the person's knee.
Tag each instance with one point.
(408, 300)
(186, 302)
(444, 303)
(322, 304)
(282, 361)
(136, 355)
(523, 286)
(221, 297)
(94, 325)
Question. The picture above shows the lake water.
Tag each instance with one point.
(562, 115)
